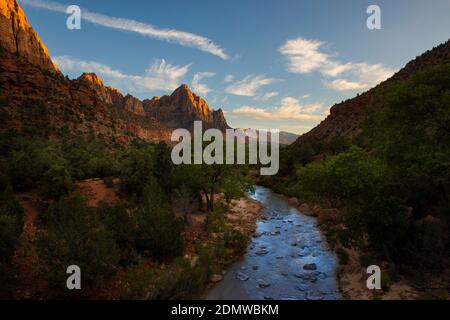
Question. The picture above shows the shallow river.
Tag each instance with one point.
(288, 258)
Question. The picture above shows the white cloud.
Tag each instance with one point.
(266, 96)
(183, 38)
(305, 56)
(198, 87)
(249, 86)
(345, 85)
(158, 76)
(289, 109)
(228, 78)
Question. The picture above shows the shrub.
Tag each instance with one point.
(236, 240)
(75, 236)
(11, 224)
(136, 170)
(56, 182)
(109, 182)
(160, 231)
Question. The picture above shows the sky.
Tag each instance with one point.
(268, 64)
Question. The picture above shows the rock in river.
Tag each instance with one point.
(310, 266)
(241, 276)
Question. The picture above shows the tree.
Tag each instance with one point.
(136, 169)
(75, 236)
(56, 182)
(11, 224)
(159, 231)
(209, 180)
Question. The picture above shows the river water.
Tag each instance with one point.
(288, 258)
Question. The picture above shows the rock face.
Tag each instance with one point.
(345, 118)
(19, 38)
(36, 97)
(182, 108)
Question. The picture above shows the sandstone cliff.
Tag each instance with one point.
(37, 99)
(182, 108)
(19, 38)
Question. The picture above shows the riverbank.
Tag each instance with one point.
(353, 263)
(227, 231)
(287, 258)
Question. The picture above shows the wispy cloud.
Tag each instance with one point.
(198, 87)
(159, 76)
(266, 96)
(306, 56)
(228, 78)
(183, 38)
(345, 85)
(289, 109)
(249, 86)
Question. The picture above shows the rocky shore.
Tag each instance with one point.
(352, 275)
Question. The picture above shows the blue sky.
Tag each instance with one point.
(267, 64)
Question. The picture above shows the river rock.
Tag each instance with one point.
(242, 276)
(311, 277)
(216, 278)
(310, 266)
(301, 287)
(261, 252)
(263, 284)
(314, 296)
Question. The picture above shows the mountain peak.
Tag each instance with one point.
(92, 78)
(19, 39)
(183, 89)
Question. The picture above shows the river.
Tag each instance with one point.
(287, 259)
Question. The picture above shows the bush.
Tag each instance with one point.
(366, 189)
(75, 236)
(56, 182)
(160, 231)
(11, 224)
(121, 223)
(109, 182)
(136, 169)
(236, 240)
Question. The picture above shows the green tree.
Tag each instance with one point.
(56, 182)
(11, 224)
(74, 236)
(160, 231)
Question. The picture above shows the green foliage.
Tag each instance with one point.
(350, 176)
(122, 223)
(386, 282)
(11, 224)
(56, 182)
(208, 180)
(236, 240)
(404, 179)
(364, 186)
(215, 221)
(136, 169)
(160, 231)
(163, 165)
(109, 182)
(29, 160)
(75, 236)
